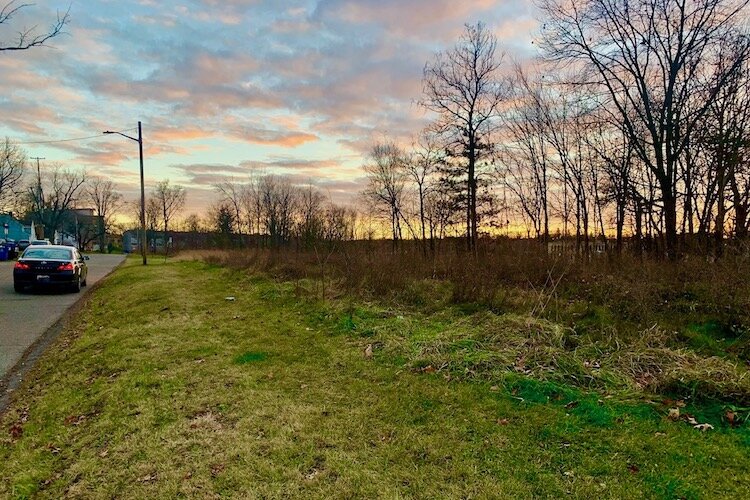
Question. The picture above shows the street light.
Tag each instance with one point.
(139, 140)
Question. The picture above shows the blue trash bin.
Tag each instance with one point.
(3, 252)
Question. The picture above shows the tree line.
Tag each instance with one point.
(50, 197)
(271, 211)
(633, 121)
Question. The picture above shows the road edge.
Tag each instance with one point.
(13, 379)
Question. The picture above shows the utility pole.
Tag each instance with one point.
(40, 197)
(143, 196)
(139, 140)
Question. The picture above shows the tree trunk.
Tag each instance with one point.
(472, 199)
(670, 223)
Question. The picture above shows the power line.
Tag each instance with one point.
(71, 139)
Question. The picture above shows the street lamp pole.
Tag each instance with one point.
(139, 140)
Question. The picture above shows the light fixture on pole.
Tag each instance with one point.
(139, 140)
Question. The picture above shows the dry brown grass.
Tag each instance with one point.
(516, 273)
(621, 321)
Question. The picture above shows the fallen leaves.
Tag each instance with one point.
(731, 417)
(674, 415)
(703, 427)
(74, 420)
(16, 431)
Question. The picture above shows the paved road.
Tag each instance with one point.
(25, 317)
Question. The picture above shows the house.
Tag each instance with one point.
(177, 240)
(80, 228)
(596, 246)
(16, 230)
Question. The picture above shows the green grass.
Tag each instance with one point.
(162, 388)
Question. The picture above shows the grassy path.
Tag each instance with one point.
(163, 388)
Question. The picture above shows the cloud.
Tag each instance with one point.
(225, 87)
(270, 137)
(421, 19)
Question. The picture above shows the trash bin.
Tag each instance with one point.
(3, 252)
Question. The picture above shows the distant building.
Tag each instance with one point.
(80, 228)
(178, 240)
(596, 246)
(187, 240)
(16, 229)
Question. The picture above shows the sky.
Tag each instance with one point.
(299, 88)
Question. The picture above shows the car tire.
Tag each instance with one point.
(76, 285)
(18, 287)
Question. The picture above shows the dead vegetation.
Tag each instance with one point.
(602, 322)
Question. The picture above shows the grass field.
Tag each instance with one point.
(164, 388)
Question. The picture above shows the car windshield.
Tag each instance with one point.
(48, 253)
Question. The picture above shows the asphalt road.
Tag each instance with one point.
(25, 317)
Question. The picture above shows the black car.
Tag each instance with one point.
(50, 265)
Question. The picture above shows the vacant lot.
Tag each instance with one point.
(188, 379)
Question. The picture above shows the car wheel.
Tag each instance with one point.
(76, 286)
(18, 287)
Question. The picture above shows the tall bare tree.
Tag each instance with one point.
(652, 63)
(170, 200)
(463, 86)
(231, 193)
(386, 180)
(525, 157)
(422, 165)
(726, 137)
(51, 199)
(105, 201)
(279, 201)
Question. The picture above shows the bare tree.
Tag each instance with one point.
(311, 224)
(464, 87)
(232, 193)
(526, 164)
(386, 179)
(422, 165)
(12, 168)
(51, 200)
(652, 64)
(726, 136)
(193, 223)
(252, 205)
(105, 201)
(27, 38)
(170, 200)
(616, 155)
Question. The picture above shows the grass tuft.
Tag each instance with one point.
(250, 357)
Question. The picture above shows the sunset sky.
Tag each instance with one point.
(300, 88)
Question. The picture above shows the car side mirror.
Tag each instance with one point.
(86, 257)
